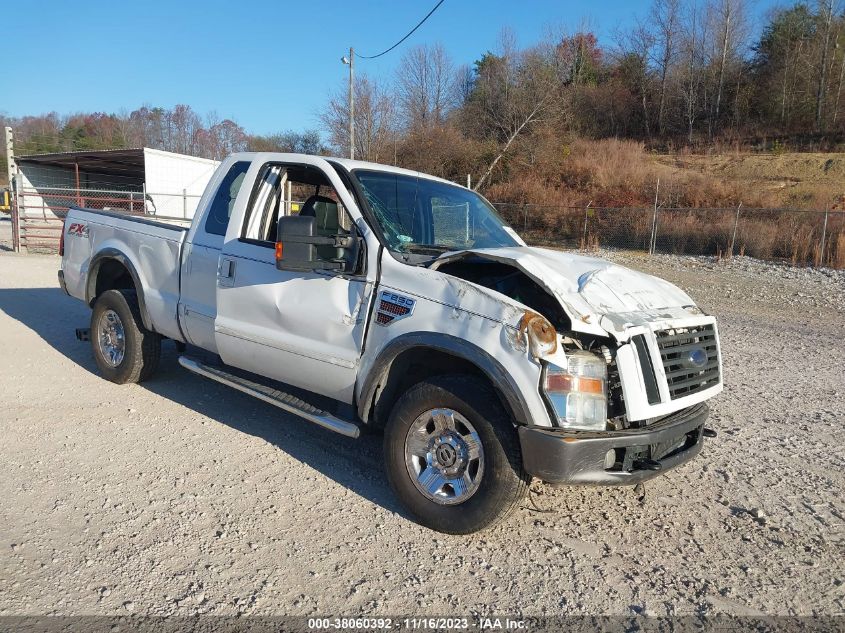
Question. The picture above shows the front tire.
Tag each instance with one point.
(124, 350)
(453, 456)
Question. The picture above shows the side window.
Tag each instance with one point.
(290, 190)
(220, 210)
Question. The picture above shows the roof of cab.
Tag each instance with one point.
(348, 163)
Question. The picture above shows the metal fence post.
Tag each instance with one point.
(654, 239)
(824, 235)
(184, 203)
(652, 245)
(12, 173)
(16, 217)
(466, 204)
(736, 223)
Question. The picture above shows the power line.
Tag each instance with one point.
(411, 32)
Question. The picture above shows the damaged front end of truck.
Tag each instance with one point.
(626, 361)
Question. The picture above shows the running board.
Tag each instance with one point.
(280, 399)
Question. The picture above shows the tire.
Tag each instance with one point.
(493, 483)
(117, 312)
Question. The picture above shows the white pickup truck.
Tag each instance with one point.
(359, 296)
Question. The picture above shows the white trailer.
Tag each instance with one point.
(138, 181)
(175, 182)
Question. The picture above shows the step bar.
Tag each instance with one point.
(280, 399)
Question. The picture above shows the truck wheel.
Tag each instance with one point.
(453, 456)
(124, 350)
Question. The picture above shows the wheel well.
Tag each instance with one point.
(415, 365)
(111, 275)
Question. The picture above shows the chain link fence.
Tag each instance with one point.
(38, 214)
(811, 238)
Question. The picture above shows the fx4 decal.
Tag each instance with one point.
(78, 230)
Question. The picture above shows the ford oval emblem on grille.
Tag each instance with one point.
(696, 357)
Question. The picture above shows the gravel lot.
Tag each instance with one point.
(182, 496)
(5, 232)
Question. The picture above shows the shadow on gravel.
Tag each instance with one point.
(52, 315)
(354, 464)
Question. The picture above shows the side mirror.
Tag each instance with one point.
(297, 247)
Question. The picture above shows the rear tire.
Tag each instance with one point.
(124, 350)
(452, 455)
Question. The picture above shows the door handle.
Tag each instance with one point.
(226, 269)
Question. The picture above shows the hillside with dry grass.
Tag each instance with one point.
(795, 180)
(622, 173)
(618, 179)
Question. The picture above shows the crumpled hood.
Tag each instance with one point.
(598, 296)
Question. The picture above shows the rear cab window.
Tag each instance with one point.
(220, 210)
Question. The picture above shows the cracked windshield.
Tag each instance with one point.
(418, 215)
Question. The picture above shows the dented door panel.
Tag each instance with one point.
(302, 328)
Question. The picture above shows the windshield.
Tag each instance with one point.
(418, 215)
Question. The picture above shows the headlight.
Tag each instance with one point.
(578, 393)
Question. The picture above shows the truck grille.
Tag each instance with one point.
(690, 358)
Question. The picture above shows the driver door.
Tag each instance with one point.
(301, 328)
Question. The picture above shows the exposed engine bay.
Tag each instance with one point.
(514, 283)
(511, 282)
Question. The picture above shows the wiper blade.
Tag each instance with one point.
(426, 249)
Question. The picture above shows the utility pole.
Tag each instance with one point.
(350, 61)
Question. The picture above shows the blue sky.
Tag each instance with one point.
(268, 65)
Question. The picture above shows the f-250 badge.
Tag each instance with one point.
(392, 307)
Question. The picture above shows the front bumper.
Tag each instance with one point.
(578, 457)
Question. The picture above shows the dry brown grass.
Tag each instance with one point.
(548, 201)
(793, 236)
(837, 256)
(618, 173)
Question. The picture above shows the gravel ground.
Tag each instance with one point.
(5, 232)
(183, 497)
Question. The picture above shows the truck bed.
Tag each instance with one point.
(142, 219)
(149, 249)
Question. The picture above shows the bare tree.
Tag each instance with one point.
(839, 84)
(634, 49)
(666, 24)
(375, 120)
(427, 86)
(826, 16)
(511, 94)
(691, 77)
(731, 26)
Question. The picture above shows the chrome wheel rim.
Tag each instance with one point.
(444, 456)
(111, 338)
